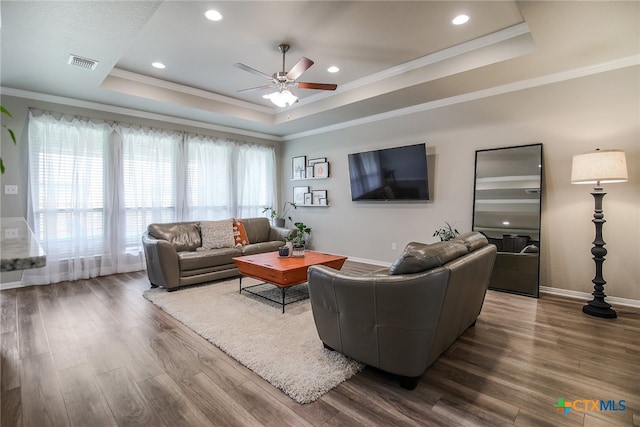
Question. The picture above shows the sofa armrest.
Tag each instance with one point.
(281, 233)
(162, 261)
(388, 322)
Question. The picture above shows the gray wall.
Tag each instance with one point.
(571, 117)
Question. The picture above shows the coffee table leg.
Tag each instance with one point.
(283, 290)
(240, 285)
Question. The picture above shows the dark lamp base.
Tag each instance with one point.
(606, 312)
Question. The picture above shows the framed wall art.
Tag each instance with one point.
(321, 170)
(298, 194)
(299, 167)
(318, 195)
(307, 199)
(312, 162)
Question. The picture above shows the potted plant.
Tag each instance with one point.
(278, 217)
(446, 233)
(300, 238)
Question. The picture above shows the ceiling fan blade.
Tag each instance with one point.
(297, 70)
(318, 86)
(256, 88)
(252, 70)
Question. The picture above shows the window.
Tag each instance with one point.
(209, 178)
(66, 166)
(94, 189)
(149, 180)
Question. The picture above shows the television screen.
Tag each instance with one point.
(398, 173)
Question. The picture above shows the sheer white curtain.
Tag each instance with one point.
(66, 197)
(256, 180)
(209, 189)
(94, 189)
(149, 164)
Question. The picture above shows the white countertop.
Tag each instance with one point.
(19, 247)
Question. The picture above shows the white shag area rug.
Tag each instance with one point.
(284, 349)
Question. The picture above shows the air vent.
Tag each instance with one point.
(79, 61)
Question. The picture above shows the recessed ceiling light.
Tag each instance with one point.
(213, 15)
(505, 222)
(460, 19)
(333, 69)
(158, 65)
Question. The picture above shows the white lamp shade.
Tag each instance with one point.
(599, 167)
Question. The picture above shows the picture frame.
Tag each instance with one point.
(317, 195)
(309, 173)
(298, 194)
(311, 162)
(323, 202)
(308, 199)
(298, 167)
(321, 170)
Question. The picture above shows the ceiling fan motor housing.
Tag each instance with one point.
(281, 76)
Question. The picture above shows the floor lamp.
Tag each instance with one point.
(599, 167)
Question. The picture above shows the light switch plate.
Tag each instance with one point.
(10, 189)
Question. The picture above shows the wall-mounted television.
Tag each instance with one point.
(398, 173)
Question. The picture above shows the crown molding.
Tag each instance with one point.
(616, 64)
(152, 81)
(442, 55)
(18, 93)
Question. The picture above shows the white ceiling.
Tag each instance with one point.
(394, 56)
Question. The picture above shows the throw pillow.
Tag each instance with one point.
(240, 233)
(217, 234)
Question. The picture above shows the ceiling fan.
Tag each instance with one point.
(284, 81)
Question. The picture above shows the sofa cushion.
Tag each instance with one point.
(240, 233)
(206, 258)
(217, 234)
(472, 240)
(418, 257)
(184, 236)
(257, 229)
(258, 248)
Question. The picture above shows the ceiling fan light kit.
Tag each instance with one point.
(282, 98)
(284, 81)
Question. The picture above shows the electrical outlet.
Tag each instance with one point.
(10, 189)
(11, 233)
(394, 247)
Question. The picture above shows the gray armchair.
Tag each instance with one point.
(401, 320)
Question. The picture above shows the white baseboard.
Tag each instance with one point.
(370, 261)
(587, 296)
(12, 285)
(544, 289)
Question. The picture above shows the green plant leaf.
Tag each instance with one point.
(1, 166)
(5, 111)
(13, 136)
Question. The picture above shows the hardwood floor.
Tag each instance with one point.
(96, 353)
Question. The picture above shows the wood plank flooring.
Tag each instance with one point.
(96, 353)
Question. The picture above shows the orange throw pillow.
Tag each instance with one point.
(239, 233)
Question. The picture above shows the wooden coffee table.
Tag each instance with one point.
(283, 272)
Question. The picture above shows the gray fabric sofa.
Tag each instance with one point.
(175, 256)
(402, 319)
